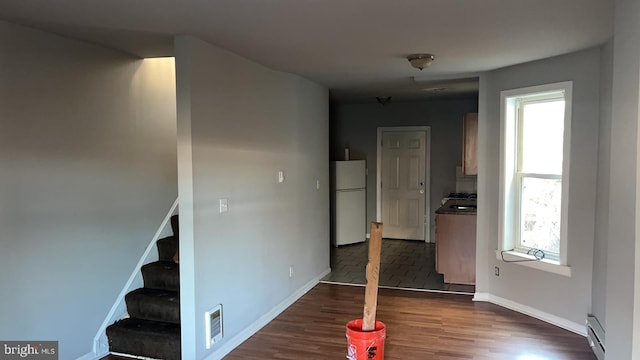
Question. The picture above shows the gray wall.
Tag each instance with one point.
(238, 124)
(88, 159)
(622, 283)
(355, 126)
(566, 297)
(599, 290)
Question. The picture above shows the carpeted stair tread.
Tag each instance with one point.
(146, 338)
(153, 328)
(167, 247)
(162, 275)
(154, 304)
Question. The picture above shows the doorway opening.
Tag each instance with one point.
(403, 206)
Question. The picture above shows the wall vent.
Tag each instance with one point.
(595, 334)
(213, 325)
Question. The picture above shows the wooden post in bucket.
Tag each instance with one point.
(373, 272)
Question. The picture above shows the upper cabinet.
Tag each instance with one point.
(470, 144)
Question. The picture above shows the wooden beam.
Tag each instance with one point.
(373, 275)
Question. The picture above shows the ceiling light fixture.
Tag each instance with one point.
(420, 61)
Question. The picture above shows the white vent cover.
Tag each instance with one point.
(213, 325)
(595, 335)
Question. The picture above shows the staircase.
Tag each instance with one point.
(152, 329)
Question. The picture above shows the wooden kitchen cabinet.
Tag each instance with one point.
(456, 248)
(470, 144)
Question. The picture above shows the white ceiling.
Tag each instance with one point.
(356, 48)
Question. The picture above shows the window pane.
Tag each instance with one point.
(542, 135)
(540, 214)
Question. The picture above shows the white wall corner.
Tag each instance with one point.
(234, 342)
(580, 329)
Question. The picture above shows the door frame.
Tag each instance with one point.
(427, 171)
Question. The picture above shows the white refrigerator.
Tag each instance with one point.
(349, 220)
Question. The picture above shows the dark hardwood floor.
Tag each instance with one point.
(419, 326)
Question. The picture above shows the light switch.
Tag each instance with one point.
(223, 205)
(317, 184)
(280, 176)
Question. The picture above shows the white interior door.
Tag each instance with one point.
(403, 184)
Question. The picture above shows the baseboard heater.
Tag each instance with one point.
(595, 335)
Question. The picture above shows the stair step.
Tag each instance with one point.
(162, 275)
(174, 226)
(154, 339)
(153, 304)
(167, 247)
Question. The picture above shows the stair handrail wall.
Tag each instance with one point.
(99, 350)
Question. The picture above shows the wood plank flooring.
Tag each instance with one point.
(419, 326)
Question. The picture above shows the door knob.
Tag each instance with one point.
(421, 191)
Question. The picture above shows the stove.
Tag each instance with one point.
(460, 196)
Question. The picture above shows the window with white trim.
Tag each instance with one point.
(536, 124)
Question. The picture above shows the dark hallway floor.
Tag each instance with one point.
(403, 264)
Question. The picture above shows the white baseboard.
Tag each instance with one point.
(128, 356)
(481, 297)
(265, 319)
(579, 329)
(88, 356)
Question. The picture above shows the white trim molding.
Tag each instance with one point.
(518, 258)
(579, 329)
(235, 341)
(509, 183)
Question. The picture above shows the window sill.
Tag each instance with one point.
(551, 266)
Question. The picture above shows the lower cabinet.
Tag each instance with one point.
(456, 248)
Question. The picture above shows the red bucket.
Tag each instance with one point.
(365, 345)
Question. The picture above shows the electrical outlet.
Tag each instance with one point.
(290, 271)
(496, 270)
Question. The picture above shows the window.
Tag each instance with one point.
(534, 162)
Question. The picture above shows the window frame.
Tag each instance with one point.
(510, 166)
(520, 103)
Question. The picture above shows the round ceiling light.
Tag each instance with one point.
(421, 61)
